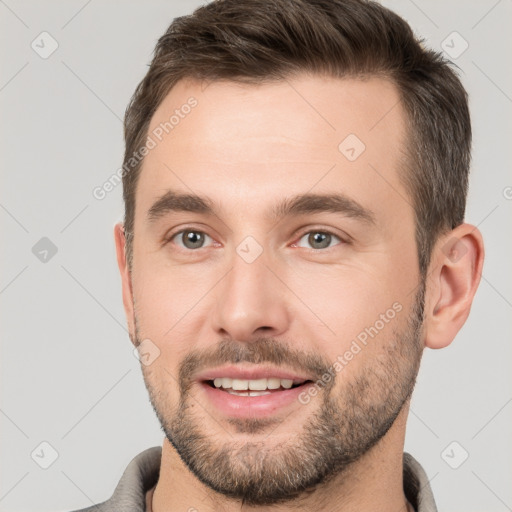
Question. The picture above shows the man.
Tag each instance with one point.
(294, 237)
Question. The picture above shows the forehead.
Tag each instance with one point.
(244, 143)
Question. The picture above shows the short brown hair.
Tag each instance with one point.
(260, 41)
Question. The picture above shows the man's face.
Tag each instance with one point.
(252, 290)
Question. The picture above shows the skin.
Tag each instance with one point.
(247, 147)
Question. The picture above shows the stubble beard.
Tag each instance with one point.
(346, 423)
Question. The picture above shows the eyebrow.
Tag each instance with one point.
(173, 201)
(301, 204)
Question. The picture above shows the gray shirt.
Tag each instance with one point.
(142, 472)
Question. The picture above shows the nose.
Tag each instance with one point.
(251, 301)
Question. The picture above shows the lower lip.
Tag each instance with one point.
(237, 406)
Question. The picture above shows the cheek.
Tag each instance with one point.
(166, 296)
(363, 306)
(346, 299)
(161, 382)
(366, 322)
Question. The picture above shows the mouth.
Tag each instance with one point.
(252, 392)
(254, 387)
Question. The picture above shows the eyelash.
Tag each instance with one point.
(171, 237)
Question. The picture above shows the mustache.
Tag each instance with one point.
(260, 350)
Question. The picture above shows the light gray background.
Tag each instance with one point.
(68, 373)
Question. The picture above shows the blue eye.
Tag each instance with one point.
(319, 239)
(190, 238)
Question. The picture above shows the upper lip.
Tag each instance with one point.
(250, 373)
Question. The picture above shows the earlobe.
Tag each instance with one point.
(455, 271)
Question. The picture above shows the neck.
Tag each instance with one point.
(374, 482)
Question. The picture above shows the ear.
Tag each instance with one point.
(126, 282)
(454, 274)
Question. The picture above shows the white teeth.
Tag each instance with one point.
(273, 383)
(253, 385)
(240, 385)
(250, 393)
(286, 383)
(258, 385)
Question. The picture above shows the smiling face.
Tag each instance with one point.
(274, 245)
